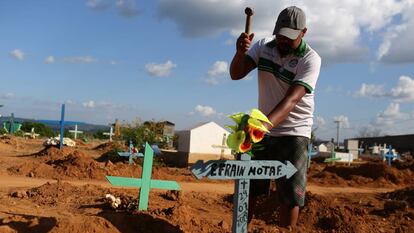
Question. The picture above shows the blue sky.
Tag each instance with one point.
(168, 60)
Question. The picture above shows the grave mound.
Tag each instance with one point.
(9, 140)
(374, 174)
(107, 146)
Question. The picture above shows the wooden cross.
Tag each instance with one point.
(76, 131)
(111, 133)
(130, 153)
(145, 183)
(242, 171)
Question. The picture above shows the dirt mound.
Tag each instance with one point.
(406, 195)
(401, 165)
(7, 139)
(107, 146)
(61, 192)
(73, 165)
(374, 174)
(53, 152)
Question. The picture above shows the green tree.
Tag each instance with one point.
(39, 128)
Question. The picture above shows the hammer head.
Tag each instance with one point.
(249, 11)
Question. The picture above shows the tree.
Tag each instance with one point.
(39, 128)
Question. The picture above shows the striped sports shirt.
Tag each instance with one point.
(276, 74)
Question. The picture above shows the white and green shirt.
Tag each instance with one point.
(276, 74)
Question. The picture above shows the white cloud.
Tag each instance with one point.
(217, 72)
(80, 59)
(404, 91)
(7, 96)
(50, 60)
(70, 102)
(344, 122)
(18, 54)
(98, 4)
(335, 27)
(396, 45)
(89, 104)
(205, 110)
(319, 121)
(160, 70)
(100, 104)
(371, 90)
(127, 8)
(390, 115)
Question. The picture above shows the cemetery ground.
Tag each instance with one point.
(48, 190)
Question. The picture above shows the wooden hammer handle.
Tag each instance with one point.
(249, 13)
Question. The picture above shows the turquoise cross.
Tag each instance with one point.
(145, 183)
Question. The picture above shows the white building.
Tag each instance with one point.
(206, 141)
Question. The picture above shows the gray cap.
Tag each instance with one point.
(290, 23)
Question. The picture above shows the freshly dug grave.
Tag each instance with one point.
(70, 163)
(67, 205)
(371, 174)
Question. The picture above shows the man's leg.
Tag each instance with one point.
(288, 215)
(291, 191)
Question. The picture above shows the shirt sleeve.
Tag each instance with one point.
(254, 52)
(308, 72)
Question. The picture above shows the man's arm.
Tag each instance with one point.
(282, 110)
(240, 65)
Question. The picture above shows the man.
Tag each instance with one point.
(288, 69)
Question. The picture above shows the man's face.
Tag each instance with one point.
(285, 45)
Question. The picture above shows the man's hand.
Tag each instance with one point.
(267, 125)
(243, 43)
(240, 66)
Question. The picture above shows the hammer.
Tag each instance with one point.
(249, 13)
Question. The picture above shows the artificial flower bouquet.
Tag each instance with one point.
(248, 132)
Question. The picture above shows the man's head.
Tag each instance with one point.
(289, 29)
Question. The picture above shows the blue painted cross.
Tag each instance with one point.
(242, 171)
(145, 183)
(131, 154)
(311, 153)
(62, 126)
(389, 155)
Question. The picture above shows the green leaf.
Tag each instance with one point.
(254, 123)
(234, 140)
(257, 114)
(237, 117)
(233, 128)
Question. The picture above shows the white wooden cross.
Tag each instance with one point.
(111, 133)
(76, 131)
(32, 134)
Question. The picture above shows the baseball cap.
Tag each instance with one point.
(290, 23)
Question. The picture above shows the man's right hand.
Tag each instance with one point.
(243, 42)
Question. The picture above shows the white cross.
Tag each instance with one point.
(75, 131)
(110, 134)
(32, 134)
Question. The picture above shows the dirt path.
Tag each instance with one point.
(10, 182)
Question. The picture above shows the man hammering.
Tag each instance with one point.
(288, 69)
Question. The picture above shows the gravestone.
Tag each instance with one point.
(242, 171)
(145, 183)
